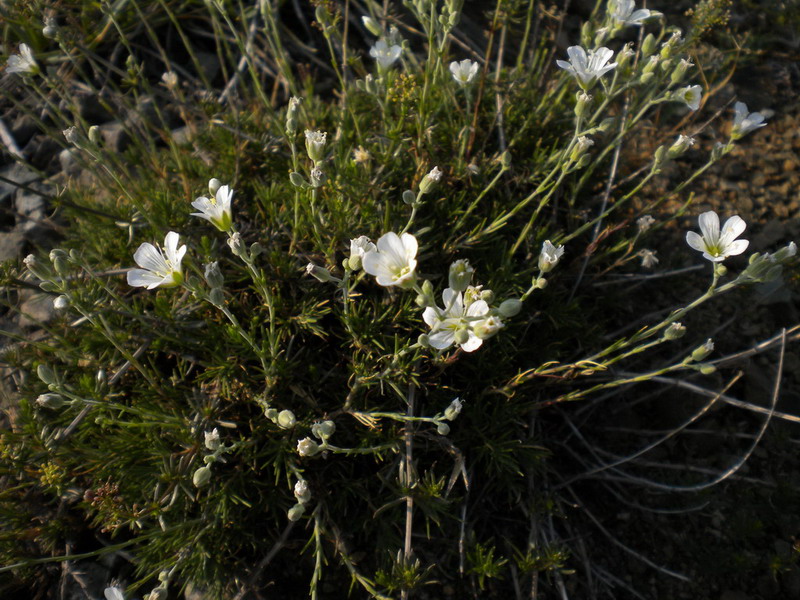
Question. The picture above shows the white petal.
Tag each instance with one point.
(113, 593)
(142, 278)
(639, 15)
(472, 344)
(430, 316)
(442, 339)
(737, 247)
(202, 215)
(477, 309)
(410, 245)
(454, 69)
(577, 55)
(695, 241)
(150, 258)
(733, 228)
(565, 65)
(453, 302)
(709, 226)
(372, 263)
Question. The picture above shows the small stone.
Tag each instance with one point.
(115, 136)
(12, 244)
(37, 309)
(19, 174)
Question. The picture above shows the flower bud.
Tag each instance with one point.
(430, 180)
(580, 147)
(701, 352)
(460, 275)
(679, 146)
(452, 411)
(424, 341)
(372, 25)
(606, 124)
(51, 401)
(302, 491)
(71, 135)
(323, 430)
(651, 65)
(211, 440)
(674, 331)
(291, 115)
(46, 374)
(510, 308)
(94, 134)
(213, 275)
(443, 429)
(582, 104)
(646, 78)
(461, 336)
(648, 45)
(540, 283)
(35, 267)
(50, 29)
(297, 180)
(669, 47)
(488, 327)
(660, 156)
(296, 512)
(216, 296)
(213, 185)
(201, 477)
(61, 303)
(409, 197)
(680, 71)
(271, 414)
(319, 273)
(708, 369)
(286, 419)
(236, 244)
(315, 145)
(785, 253)
(487, 296)
(307, 447)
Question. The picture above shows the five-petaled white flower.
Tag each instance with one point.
(464, 72)
(690, 95)
(549, 256)
(394, 261)
(384, 54)
(455, 323)
(622, 12)
(744, 122)
(22, 63)
(158, 269)
(217, 210)
(717, 245)
(587, 67)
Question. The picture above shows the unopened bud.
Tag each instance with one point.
(302, 492)
(460, 275)
(213, 185)
(319, 273)
(94, 134)
(430, 180)
(487, 328)
(201, 477)
(317, 177)
(286, 419)
(582, 104)
(307, 447)
(679, 146)
(510, 308)
(236, 244)
(315, 145)
(452, 411)
(648, 45)
(323, 430)
(409, 197)
(211, 440)
(674, 331)
(372, 25)
(51, 401)
(46, 374)
(461, 336)
(213, 275)
(61, 303)
(701, 352)
(443, 429)
(297, 180)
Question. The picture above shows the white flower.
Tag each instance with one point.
(358, 248)
(71, 135)
(716, 246)
(302, 491)
(170, 80)
(649, 259)
(744, 122)
(211, 440)
(644, 223)
(549, 256)
(307, 447)
(315, 145)
(430, 180)
(587, 68)
(158, 269)
(385, 54)
(454, 323)
(113, 593)
(217, 210)
(23, 62)
(395, 260)
(622, 12)
(690, 95)
(464, 72)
